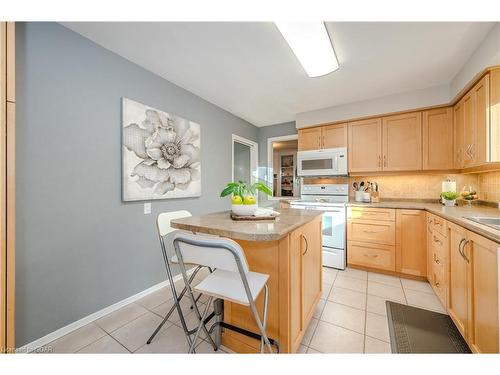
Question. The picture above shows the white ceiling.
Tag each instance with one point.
(249, 70)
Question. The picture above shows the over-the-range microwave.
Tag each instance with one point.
(326, 162)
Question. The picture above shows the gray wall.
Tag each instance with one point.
(79, 248)
(277, 130)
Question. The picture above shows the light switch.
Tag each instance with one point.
(147, 208)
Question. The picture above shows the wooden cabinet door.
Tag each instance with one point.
(458, 125)
(334, 136)
(481, 98)
(469, 129)
(411, 255)
(296, 326)
(437, 125)
(483, 311)
(309, 139)
(402, 142)
(429, 251)
(458, 283)
(311, 268)
(495, 115)
(365, 145)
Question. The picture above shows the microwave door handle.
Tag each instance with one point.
(336, 162)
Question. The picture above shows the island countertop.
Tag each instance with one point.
(221, 224)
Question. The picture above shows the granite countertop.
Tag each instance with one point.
(220, 224)
(455, 214)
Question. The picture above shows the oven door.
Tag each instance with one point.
(334, 226)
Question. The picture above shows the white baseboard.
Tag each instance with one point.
(32, 346)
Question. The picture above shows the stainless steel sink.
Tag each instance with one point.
(493, 222)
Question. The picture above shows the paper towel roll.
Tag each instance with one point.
(449, 186)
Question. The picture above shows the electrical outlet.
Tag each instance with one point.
(147, 208)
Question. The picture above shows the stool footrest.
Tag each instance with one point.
(207, 319)
(246, 333)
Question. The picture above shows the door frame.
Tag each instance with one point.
(254, 157)
(270, 167)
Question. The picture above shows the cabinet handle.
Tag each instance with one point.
(371, 255)
(369, 231)
(385, 161)
(461, 248)
(379, 161)
(429, 226)
(307, 244)
(438, 240)
(436, 260)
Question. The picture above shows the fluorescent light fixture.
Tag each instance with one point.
(311, 44)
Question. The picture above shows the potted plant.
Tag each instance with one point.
(449, 197)
(243, 200)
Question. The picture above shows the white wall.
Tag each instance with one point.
(487, 54)
(393, 103)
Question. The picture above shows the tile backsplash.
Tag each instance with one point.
(489, 186)
(426, 186)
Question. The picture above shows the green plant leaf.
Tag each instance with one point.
(228, 190)
(263, 188)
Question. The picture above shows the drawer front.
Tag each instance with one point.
(439, 282)
(438, 224)
(439, 247)
(374, 256)
(368, 213)
(379, 232)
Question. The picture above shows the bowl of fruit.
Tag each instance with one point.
(468, 194)
(243, 202)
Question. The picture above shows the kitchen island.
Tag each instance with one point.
(288, 249)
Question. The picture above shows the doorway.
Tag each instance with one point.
(244, 160)
(282, 166)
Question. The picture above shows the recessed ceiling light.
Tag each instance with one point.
(311, 44)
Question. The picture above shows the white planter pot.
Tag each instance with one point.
(449, 203)
(244, 209)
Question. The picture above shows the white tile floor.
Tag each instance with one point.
(350, 318)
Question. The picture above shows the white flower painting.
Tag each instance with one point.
(161, 154)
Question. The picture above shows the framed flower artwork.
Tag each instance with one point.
(160, 154)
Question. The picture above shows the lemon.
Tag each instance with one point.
(236, 200)
(249, 200)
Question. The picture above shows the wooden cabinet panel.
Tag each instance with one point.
(480, 147)
(402, 142)
(334, 136)
(458, 283)
(459, 128)
(368, 213)
(437, 125)
(371, 255)
(483, 328)
(309, 139)
(469, 130)
(438, 224)
(411, 255)
(311, 269)
(365, 145)
(495, 115)
(375, 232)
(296, 327)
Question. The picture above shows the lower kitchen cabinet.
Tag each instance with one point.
(306, 289)
(437, 257)
(473, 295)
(411, 254)
(376, 256)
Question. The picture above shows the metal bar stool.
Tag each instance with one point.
(231, 280)
(164, 228)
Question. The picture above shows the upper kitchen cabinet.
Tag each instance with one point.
(402, 142)
(309, 139)
(458, 135)
(437, 125)
(321, 137)
(480, 142)
(334, 135)
(365, 145)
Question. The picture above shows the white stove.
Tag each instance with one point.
(330, 198)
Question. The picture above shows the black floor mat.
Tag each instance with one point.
(415, 330)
